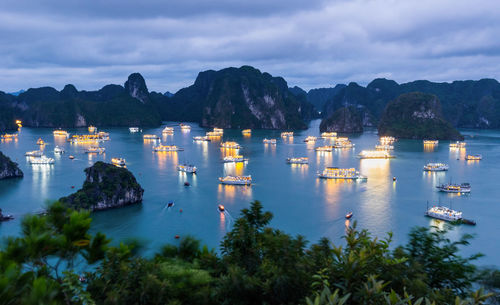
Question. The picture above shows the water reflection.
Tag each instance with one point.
(299, 169)
(165, 158)
(234, 168)
(430, 147)
(229, 152)
(41, 178)
(270, 148)
(325, 157)
(227, 193)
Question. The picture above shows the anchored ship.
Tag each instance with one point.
(341, 173)
(187, 168)
(269, 141)
(161, 148)
(436, 167)
(454, 188)
(234, 159)
(375, 154)
(299, 160)
(236, 180)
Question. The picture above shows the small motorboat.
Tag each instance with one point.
(348, 215)
(187, 183)
(71, 157)
(170, 204)
(5, 217)
(393, 178)
(221, 208)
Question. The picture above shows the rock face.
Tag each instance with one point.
(344, 120)
(106, 186)
(416, 116)
(9, 169)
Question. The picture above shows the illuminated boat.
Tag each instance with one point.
(287, 134)
(444, 213)
(40, 142)
(384, 147)
(454, 188)
(236, 180)
(458, 144)
(234, 159)
(232, 145)
(348, 215)
(343, 143)
(41, 160)
(167, 148)
(387, 140)
(9, 136)
(187, 168)
(219, 131)
(246, 132)
(474, 157)
(431, 142)
(201, 139)
(89, 138)
(95, 150)
(133, 129)
(310, 139)
(34, 153)
(118, 162)
(324, 148)
(326, 135)
(150, 137)
(103, 136)
(341, 173)
(92, 129)
(299, 160)
(436, 167)
(375, 154)
(60, 133)
(19, 123)
(221, 208)
(269, 141)
(168, 130)
(213, 134)
(58, 150)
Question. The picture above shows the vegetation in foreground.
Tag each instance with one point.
(257, 265)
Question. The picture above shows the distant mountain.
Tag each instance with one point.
(344, 120)
(17, 92)
(297, 91)
(319, 97)
(168, 94)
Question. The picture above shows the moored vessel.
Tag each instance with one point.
(298, 160)
(150, 137)
(431, 142)
(387, 140)
(201, 139)
(185, 127)
(167, 148)
(310, 139)
(95, 150)
(384, 147)
(133, 129)
(61, 133)
(458, 144)
(444, 213)
(454, 188)
(236, 180)
(58, 150)
(246, 132)
(375, 154)
(120, 162)
(288, 134)
(327, 148)
(187, 168)
(234, 159)
(34, 153)
(341, 173)
(40, 142)
(326, 135)
(41, 160)
(92, 129)
(269, 141)
(474, 157)
(231, 145)
(168, 130)
(436, 167)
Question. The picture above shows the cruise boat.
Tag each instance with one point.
(41, 160)
(387, 140)
(61, 133)
(19, 123)
(187, 168)
(444, 213)
(324, 148)
(213, 134)
(95, 150)
(341, 173)
(236, 180)
(299, 160)
(168, 130)
(458, 144)
(436, 167)
(9, 136)
(232, 145)
(92, 129)
(375, 154)
(310, 139)
(219, 131)
(58, 150)
(246, 132)
(287, 134)
(234, 159)
(384, 147)
(118, 162)
(133, 129)
(103, 136)
(431, 142)
(150, 137)
(40, 142)
(201, 139)
(343, 143)
(454, 188)
(34, 153)
(185, 127)
(325, 135)
(89, 138)
(269, 141)
(473, 157)
(167, 148)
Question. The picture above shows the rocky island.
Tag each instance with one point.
(106, 186)
(416, 115)
(9, 169)
(344, 120)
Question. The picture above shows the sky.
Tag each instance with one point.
(310, 43)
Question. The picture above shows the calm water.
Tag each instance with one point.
(301, 203)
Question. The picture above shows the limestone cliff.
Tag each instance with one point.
(344, 120)
(9, 169)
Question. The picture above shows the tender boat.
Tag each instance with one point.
(236, 180)
(187, 168)
(150, 137)
(246, 132)
(324, 148)
(310, 139)
(458, 144)
(473, 157)
(444, 213)
(436, 167)
(341, 173)
(375, 154)
(95, 150)
(286, 134)
(61, 133)
(269, 141)
(92, 129)
(133, 129)
(454, 188)
(348, 215)
(167, 148)
(231, 145)
(40, 142)
(118, 161)
(168, 130)
(431, 142)
(234, 159)
(41, 160)
(326, 135)
(221, 208)
(34, 153)
(299, 160)
(201, 139)
(58, 150)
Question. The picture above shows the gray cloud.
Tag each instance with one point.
(309, 43)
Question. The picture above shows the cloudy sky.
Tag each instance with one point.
(310, 43)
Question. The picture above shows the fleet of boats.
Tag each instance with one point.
(341, 173)
(436, 167)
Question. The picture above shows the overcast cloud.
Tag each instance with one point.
(310, 43)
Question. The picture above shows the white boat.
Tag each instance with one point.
(167, 148)
(474, 157)
(444, 213)
(150, 137)
(326, 135)
(288, 134)
(431, 142)
(234, 159)
(95, 150)
(299, 160)
(458, 144)
(384, 147)
(41, 160)
(187, 168)
(454, 188)
(269, 141)
(201, 139)
(324, 148)
(236, 180)
(375, 154)
(246, 132)
(343, 143)
(341, 173)
(436, 167)
(133, 129)
(118, 161)
(34, 153)
(168, 130)
(231, 145)
(310, 139)
(60, 132)
(58, 150)
(387, 140)
(185, 127)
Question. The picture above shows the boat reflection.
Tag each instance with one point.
(430, 147)
(234, 169)
(42, 173)
(229, 193)
(299, 169)
(166, 159)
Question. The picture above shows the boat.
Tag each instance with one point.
(34, 153)
(299, 160)
(167, 148)
(343, 143)
(168, 130)
(287, 134)
(454, 188)
(5, 217)
(234, 159)
(185, 127)
(436, 167)
(236, 180)
(221, 208)
(326, 135)
(170, 204)
(187, 183)
(458, 144)
(9, 136)
(118, 161)
(40, 142)
(246, 132)
(324, 148)
(92, 129)
(473, 157)
(348, 215)
(218, 131)
(375, 154)
(213, 134)
(133, 129)
(201, 139)
(387, 140)
(103, 136)
(231, 145)
(269, 141)
(310, 139)
(19, 123)
(61, 133)
(41, 160)
(150, 137)
(444, 213)
(71, 157)
(431, 142)
(58, 150)
(341, 173)
(95, 150)
(187, 168)
(89, 138)
(384, 147)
